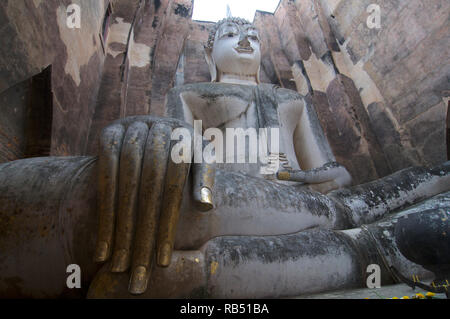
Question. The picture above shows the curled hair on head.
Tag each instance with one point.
(212, 34)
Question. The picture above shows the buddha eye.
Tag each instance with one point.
(253, 37)
(228, 34)
(228, 31)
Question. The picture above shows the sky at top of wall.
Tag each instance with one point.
(215, 10)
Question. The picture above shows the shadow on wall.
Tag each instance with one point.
(26, 112)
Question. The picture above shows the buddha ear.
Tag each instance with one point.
(257, 75)
(211, 64)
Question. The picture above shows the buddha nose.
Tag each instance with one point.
(243, 41)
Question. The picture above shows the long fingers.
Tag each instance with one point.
(173, 192)
(151, 192)
(110, 145)
(130, 174)
(147, 201)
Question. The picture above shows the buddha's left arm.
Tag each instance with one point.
(300, 124)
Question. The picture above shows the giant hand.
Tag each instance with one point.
(140, 191)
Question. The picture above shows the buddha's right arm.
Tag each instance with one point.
(138, 197)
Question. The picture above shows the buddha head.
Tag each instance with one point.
(233, 52)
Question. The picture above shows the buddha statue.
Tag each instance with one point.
(154, 227)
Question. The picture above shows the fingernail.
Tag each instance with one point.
(121, 261)
(101, 252)
(138, 281)
(284, 176)
(206, 202)
(164, 256)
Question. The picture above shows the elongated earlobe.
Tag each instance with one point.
(211, 64)
(257, 75)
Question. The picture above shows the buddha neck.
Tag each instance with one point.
(235, 78)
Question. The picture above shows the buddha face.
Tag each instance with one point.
(236, 50)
